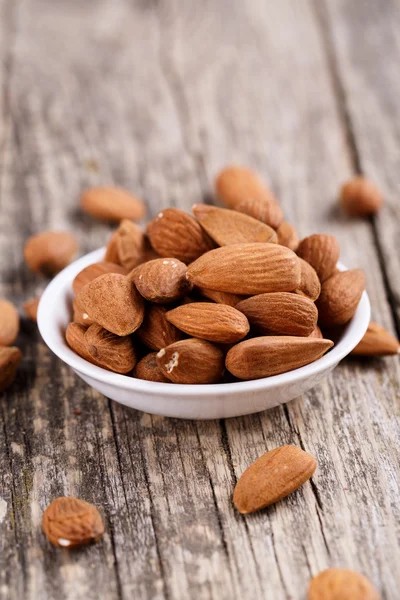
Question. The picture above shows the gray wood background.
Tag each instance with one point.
(158, 96)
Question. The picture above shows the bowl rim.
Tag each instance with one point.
(356, 329)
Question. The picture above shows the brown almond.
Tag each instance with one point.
(247, 269)
(156, 331)
(316, 333)
(228, 227)
(92, 271)
(280, 313)
(341, 584)
(287, 236)
(131, 244)
(215, 323)
(162, 280)
(267, 212)
(270, 355)
(273, 476)
(10, 358)
(75, 336)
(111, 254)
(174, 233)
(49, 252)
(148, 369)
(377, 341)
(321, 251)
(113, 302)
(71, 522)
(9, 323)
(79, 314)
(31, 308)
(339, 298)
(235, 184)
(360, 197)
(310, 284)
(191, 361)
(110, 351)
(112, 204)
(220, 297)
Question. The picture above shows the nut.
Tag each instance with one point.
(92, 271)
(10, 357)
(339, 298)
(191, 361)
(341, 584)
(31, 307)
(148, 369)
(156, 331)
(321, 252)
(162, 280)
(9, 323)
(377, 341)
(235, 184)
(49, 252)
(287, 236)
(71, 522)
(360, 197)
(110, 351)
(112, 204)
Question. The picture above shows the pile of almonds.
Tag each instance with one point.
(224, 294)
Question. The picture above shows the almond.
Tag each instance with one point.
(156, 331)
(341, 584)
(316, 333)
(111, 254)
(228, 227)
(131, 244)
(212, 322)
(10, 357)
(9, 323)
(174, 233)
(162, 280)
(235, 184)
(310, 284)
(79, 313)
(339, 297)
(273, 476)
(220, 297)
(191, 361)
(75, 336)
(31, 308)
(321, 251)
(287, 236)
(148, 369)
(110, 351)
(377, 341)
(112, 204)
(360, 197)
(267, 212)
(49, 252)
(247, 269)
(280, 313)
(113, 302)
(271, 355)
(71, 522)
(92, 271)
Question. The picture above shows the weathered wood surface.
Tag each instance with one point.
(158, 96)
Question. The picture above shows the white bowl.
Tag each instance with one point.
(215, 401)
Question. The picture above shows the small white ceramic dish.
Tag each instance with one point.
(185, 401)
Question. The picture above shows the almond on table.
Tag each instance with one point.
(377, 341)
(49, 252)
(10, 358)
(341, 584)
(9, 323)
(70, 522)
(111, 203)
(360, 197)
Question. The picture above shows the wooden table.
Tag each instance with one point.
(158, 96)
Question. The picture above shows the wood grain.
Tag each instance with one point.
(158, 96)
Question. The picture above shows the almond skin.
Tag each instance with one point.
(316, 333)
(49, 252)
(92, 271)
(212, 322)
(272, 477)
(130, 243)
(112, 204)
(287, 236)
(310, 284)
(228, 227)
(280, 313)
(9, 323)
(191, 361)
(339, 297)
(162, 280)
(267, 212)
(270, 355)
(148, 369)
(110, 351)
(174, 233)
(360, 197)
(220, 297)
(71, 522)
(75, 336)
(10, 358)
(341, 584)
(234, 184)
(156, 331)
(113, 302)
(247, 269)
(321, 251)
(377, 341)
(80, 315)
(31, 308)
